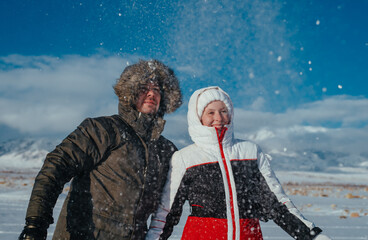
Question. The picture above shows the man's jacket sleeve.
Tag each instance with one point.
(78, 153)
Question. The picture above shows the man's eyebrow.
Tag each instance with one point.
(147, 84)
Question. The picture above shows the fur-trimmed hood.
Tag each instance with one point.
(127, 86)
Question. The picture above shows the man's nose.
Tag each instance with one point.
(150, 93)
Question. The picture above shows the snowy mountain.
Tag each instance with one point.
(22, 154)
(316, 160)
(306, 150)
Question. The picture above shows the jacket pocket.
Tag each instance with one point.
(114, 219)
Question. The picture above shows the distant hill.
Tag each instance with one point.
(29, 154)
(317, 160)
(24, 154)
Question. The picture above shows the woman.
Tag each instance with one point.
(228, 182)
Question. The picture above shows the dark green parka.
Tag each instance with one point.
(118, 166)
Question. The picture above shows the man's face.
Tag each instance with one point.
(149, 98)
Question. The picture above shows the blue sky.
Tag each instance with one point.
(292, 68)
(230, 39)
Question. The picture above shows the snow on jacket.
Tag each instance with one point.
(229, 185)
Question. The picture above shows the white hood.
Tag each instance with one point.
(203, 136)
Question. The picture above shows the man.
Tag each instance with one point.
(117, 164)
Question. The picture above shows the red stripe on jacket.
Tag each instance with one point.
(220, 138)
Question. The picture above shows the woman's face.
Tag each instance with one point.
(215, 115)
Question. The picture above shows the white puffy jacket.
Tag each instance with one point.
(229, 185)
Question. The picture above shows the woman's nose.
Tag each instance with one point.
(218, 116)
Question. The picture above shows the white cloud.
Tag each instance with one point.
(48, 94)
(336, 111)
(335, 124)
(334, 128)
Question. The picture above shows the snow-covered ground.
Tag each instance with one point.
(336, 201)
(334, 196)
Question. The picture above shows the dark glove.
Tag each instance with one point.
(35, 229)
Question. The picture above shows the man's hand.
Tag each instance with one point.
(35, 229)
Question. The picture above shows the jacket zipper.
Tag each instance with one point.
(144, 176)
(220, 138)
(144, 181)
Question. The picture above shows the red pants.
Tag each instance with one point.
(216, 228)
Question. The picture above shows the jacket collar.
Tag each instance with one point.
(147, 126)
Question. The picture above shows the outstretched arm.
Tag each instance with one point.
(77, 153)
(284, 213)
(275, 186)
